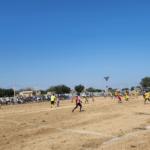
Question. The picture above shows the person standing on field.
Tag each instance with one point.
(58, 101)
(72, 98)
(115, 93)
(111, 94)
(78, 102)
(143, 94)
(105, 94)
(52, 100)
(131, 95)
(146, 96)
(92, 97)
(126, 96)
(119, 97)
(136, 96)
(86, 98)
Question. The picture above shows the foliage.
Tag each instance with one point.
(145, 82)
(43, 92)
(98, 90)
(91, 89)
(79, 88)
(125, 89)
(132, 88)
(27, 89)
(21, 90)
(62, 89)
(6, 92)
(34, 92)
(51, 88)
(138, 87)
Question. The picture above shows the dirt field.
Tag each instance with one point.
(102, 125)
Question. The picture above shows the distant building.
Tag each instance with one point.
(27, 93)
(117, 90)
(73, 91)
(38, 93)
(16, 93)
(50, 93)
(137, 88)
(111, 90)
(83, 91)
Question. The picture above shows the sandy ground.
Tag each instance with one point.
(102, 125)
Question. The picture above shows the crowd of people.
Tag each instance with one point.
(132, 95)
(56, 98)
(113, 95)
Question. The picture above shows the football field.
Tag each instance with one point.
(102, 125)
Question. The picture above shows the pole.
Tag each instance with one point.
(35, 88)
(121, 87)
(14, 91)
(106, 86)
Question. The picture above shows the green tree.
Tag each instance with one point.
(91, 89)
(43, 92)
(138, 87)
(145, 82)
(26, 89)
(98, 90)
(125, 89)
(34, 92)
(6, 92)
(20, 90)
(79, 88)
(51, 88)
(132, 88)
(62, 89)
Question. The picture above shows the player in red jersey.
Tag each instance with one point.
(92, 97)
(72, 98)
(78, 103)
(119, 97)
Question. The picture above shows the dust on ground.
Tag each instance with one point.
(103, 124)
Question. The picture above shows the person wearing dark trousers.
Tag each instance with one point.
(78, 102)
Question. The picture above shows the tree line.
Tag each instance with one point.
(145, 83)
(64, 89)
(6, 92)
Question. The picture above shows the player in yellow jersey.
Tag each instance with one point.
(111, 94)
(135, 93)
(115, 93)
(131, 95)
(146, 96)
(126, 96)
(86, 98)
(52, 100)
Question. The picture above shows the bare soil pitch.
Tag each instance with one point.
(38, 127)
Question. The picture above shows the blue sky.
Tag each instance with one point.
(71, 42)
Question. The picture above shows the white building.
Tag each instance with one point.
(26, 93)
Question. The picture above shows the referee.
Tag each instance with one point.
(52, 100)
